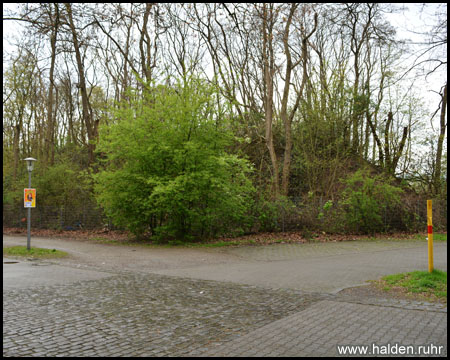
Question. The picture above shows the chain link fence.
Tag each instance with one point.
(319, 214)
(297, 214)
(89, 216)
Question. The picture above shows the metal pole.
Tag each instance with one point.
(29, 216)
(430, 235)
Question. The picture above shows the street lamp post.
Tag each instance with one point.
(30, 164)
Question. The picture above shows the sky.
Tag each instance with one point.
(409, 23)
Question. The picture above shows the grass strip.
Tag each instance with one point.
(36, 253)
(430, 286)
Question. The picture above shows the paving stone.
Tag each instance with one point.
(103, 316)
(385, 320)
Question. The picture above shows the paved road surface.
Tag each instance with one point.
(309, 267)
(278, 300)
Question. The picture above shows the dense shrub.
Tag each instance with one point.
(167, 170)
(270, 215)
(365, 200)
(63, 183)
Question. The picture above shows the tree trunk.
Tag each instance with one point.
(399, 151)
(16, 148)
(269, 71)
(437, 173)
(387, 154)
(49, 139)
(283, 114)
(145, 53)
(287, 119)
(91, 126)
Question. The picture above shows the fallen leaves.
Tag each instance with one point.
(245, 240)
(78, 234)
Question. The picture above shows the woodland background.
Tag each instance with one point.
(195, 121)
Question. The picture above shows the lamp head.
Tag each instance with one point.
(30, 163)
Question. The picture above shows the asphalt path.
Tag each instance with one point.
(322, 267)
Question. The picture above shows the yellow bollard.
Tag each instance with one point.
(430, 235)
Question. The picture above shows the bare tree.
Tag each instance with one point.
(430, 59)
(88, 119)
(290, 66)
(20, 85)
(443, 125)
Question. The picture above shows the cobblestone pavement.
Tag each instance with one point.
(152, 315)
(137, 315)
(117, 311)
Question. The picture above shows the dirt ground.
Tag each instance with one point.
(293, 237)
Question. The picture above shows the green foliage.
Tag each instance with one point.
(62, 184)
(22, 251)
(8, 195)
(439, 237)
(326, 207)
(434, 283)
(365, 199)
(268, 215)
(167, 170)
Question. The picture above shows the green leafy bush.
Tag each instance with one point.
(365, 200)
(325, 208)
(167, 171)
(271, 215)
(63, 183)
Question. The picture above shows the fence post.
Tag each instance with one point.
(430, 235)
(61, 217)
